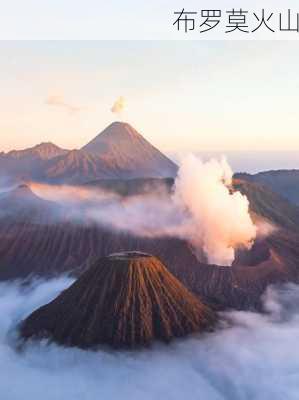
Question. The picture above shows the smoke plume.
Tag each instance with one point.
(202, 209)
(252, 357)
(119, 106)
(220, 218)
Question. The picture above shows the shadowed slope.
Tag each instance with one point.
(32, 247)
(28, 164)
(119, 152)
(43, 151)
(283, 182)
(269, 205)
(22, 205)
(125, 300)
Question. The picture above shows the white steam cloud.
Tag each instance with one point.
(202, 210)
(119, 106)
(253, 357)
(220, 217)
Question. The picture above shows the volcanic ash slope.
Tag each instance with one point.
(125, 300)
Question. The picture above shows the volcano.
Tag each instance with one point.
(129, 154)
(118, 152)
(35, 243)
(21, 204)
(125, 300)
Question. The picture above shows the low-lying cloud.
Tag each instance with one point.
(252, 356)
(203, 209)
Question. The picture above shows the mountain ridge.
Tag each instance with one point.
(283, 182)
(118, 152)
(44, 150)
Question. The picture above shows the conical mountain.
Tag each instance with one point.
(22, 204)
(129, 153)
(119, 152)
(19, 196)
(125, 300)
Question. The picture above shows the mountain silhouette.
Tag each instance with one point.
(119, 152)
(284, 182)
(28, 164)
(122, 147)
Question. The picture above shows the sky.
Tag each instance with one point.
(181, 95)
(129, 19)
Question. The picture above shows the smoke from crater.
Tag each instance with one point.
(220, 216)
(202, 208)
(119, 106)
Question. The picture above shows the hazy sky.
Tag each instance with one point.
(191, 95)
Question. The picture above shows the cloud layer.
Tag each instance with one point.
(220, 216)
(251, 357)
(60, 102)
(202, 210)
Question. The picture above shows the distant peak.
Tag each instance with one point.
(120, 124)
(128, 153)
(46, 145)
(117, 123)
(120, 127)
(23, 188)
(44, 150)
(22, 192)
(117, 133)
